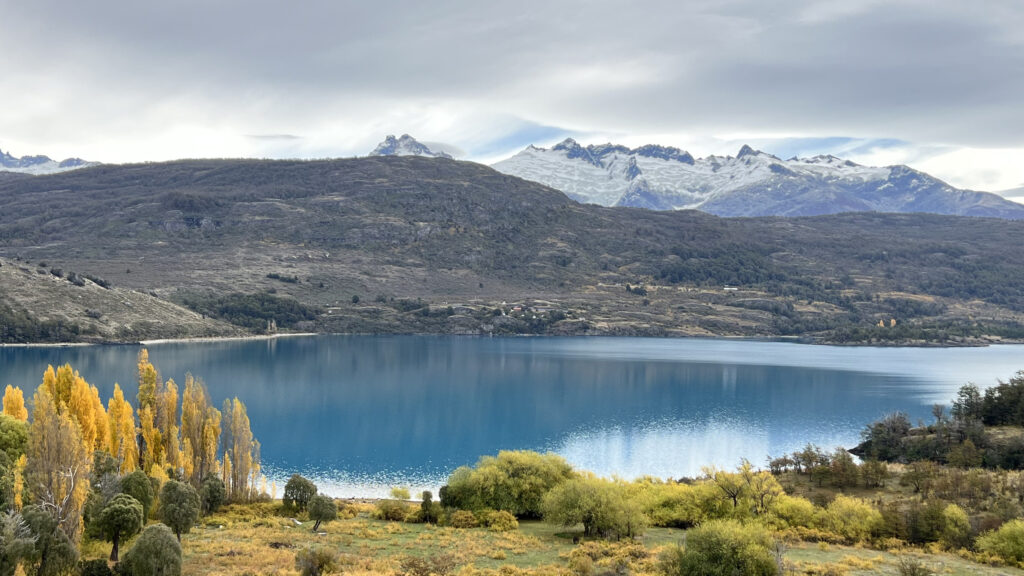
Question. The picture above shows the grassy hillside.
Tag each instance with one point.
(432, 245)
(48, 304)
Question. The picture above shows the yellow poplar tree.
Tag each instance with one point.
(14, 403)
(167, 423)
(102, 422)
(50, 381)
(200, 430)
(152, 443)
(63, 384)
(211, 432)
(58, 464)
(80, 407)
(238, 443)
(149, 379)
(122, 432)
(19, 482)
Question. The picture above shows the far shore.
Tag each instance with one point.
(968, 343)
(226, 338)
(157, 341)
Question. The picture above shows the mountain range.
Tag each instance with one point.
(431, 245)
(752, 183)
(40, 164)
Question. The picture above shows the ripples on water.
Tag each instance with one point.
(362, 413)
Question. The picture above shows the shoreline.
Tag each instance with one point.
(979, 343)
(224, 338)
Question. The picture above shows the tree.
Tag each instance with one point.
(599, 504)
(155, 553)
(723, 548)
(400, 493)
(13, 436)
(883, 439)
(167, 423)
(731, 485)
(179, 506)
(322, 509)
(515, 481)
(844, 471)
(149, 379)
(241, 449)
(298, 492)
(54, 554)
(200, 430)
(122, 516)
(122, 432)
(14, 403)
(16, 542)
(58, 464)
(968, 406)
(212, 494)
(761, 487)
(138, 486)
(874, 473)
(429, 511)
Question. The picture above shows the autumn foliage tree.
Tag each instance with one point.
(241, 450)
(58, 463)
(200, 431)
(122, 444)
(14, 403)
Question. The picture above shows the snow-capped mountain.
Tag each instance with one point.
(752, 183)
(405, 146)
(39, 164)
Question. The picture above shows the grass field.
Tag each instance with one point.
(256, 540)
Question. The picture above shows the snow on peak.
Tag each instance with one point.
(405, 146)
(39, 164)
(746, 151)
(749, 184)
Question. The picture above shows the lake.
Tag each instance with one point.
(359, 414)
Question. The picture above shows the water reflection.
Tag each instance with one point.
(360, 413)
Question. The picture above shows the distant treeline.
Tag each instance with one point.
(252, 311)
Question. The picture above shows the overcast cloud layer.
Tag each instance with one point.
(938, 84)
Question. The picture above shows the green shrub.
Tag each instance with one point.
(910, 566)
(438, 565)
(315, 561)
(1007, 542)
(853, 519)
(155, 553)
(94, 568)
(723, 548)
(793, 512)
(393, 510)
(515, 481)
(500, 521)
(462, 519)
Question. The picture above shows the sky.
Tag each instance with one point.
(936, 84)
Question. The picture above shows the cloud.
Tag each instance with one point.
(120, 80)
(273, 137)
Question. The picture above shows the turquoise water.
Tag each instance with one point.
(362, 413)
